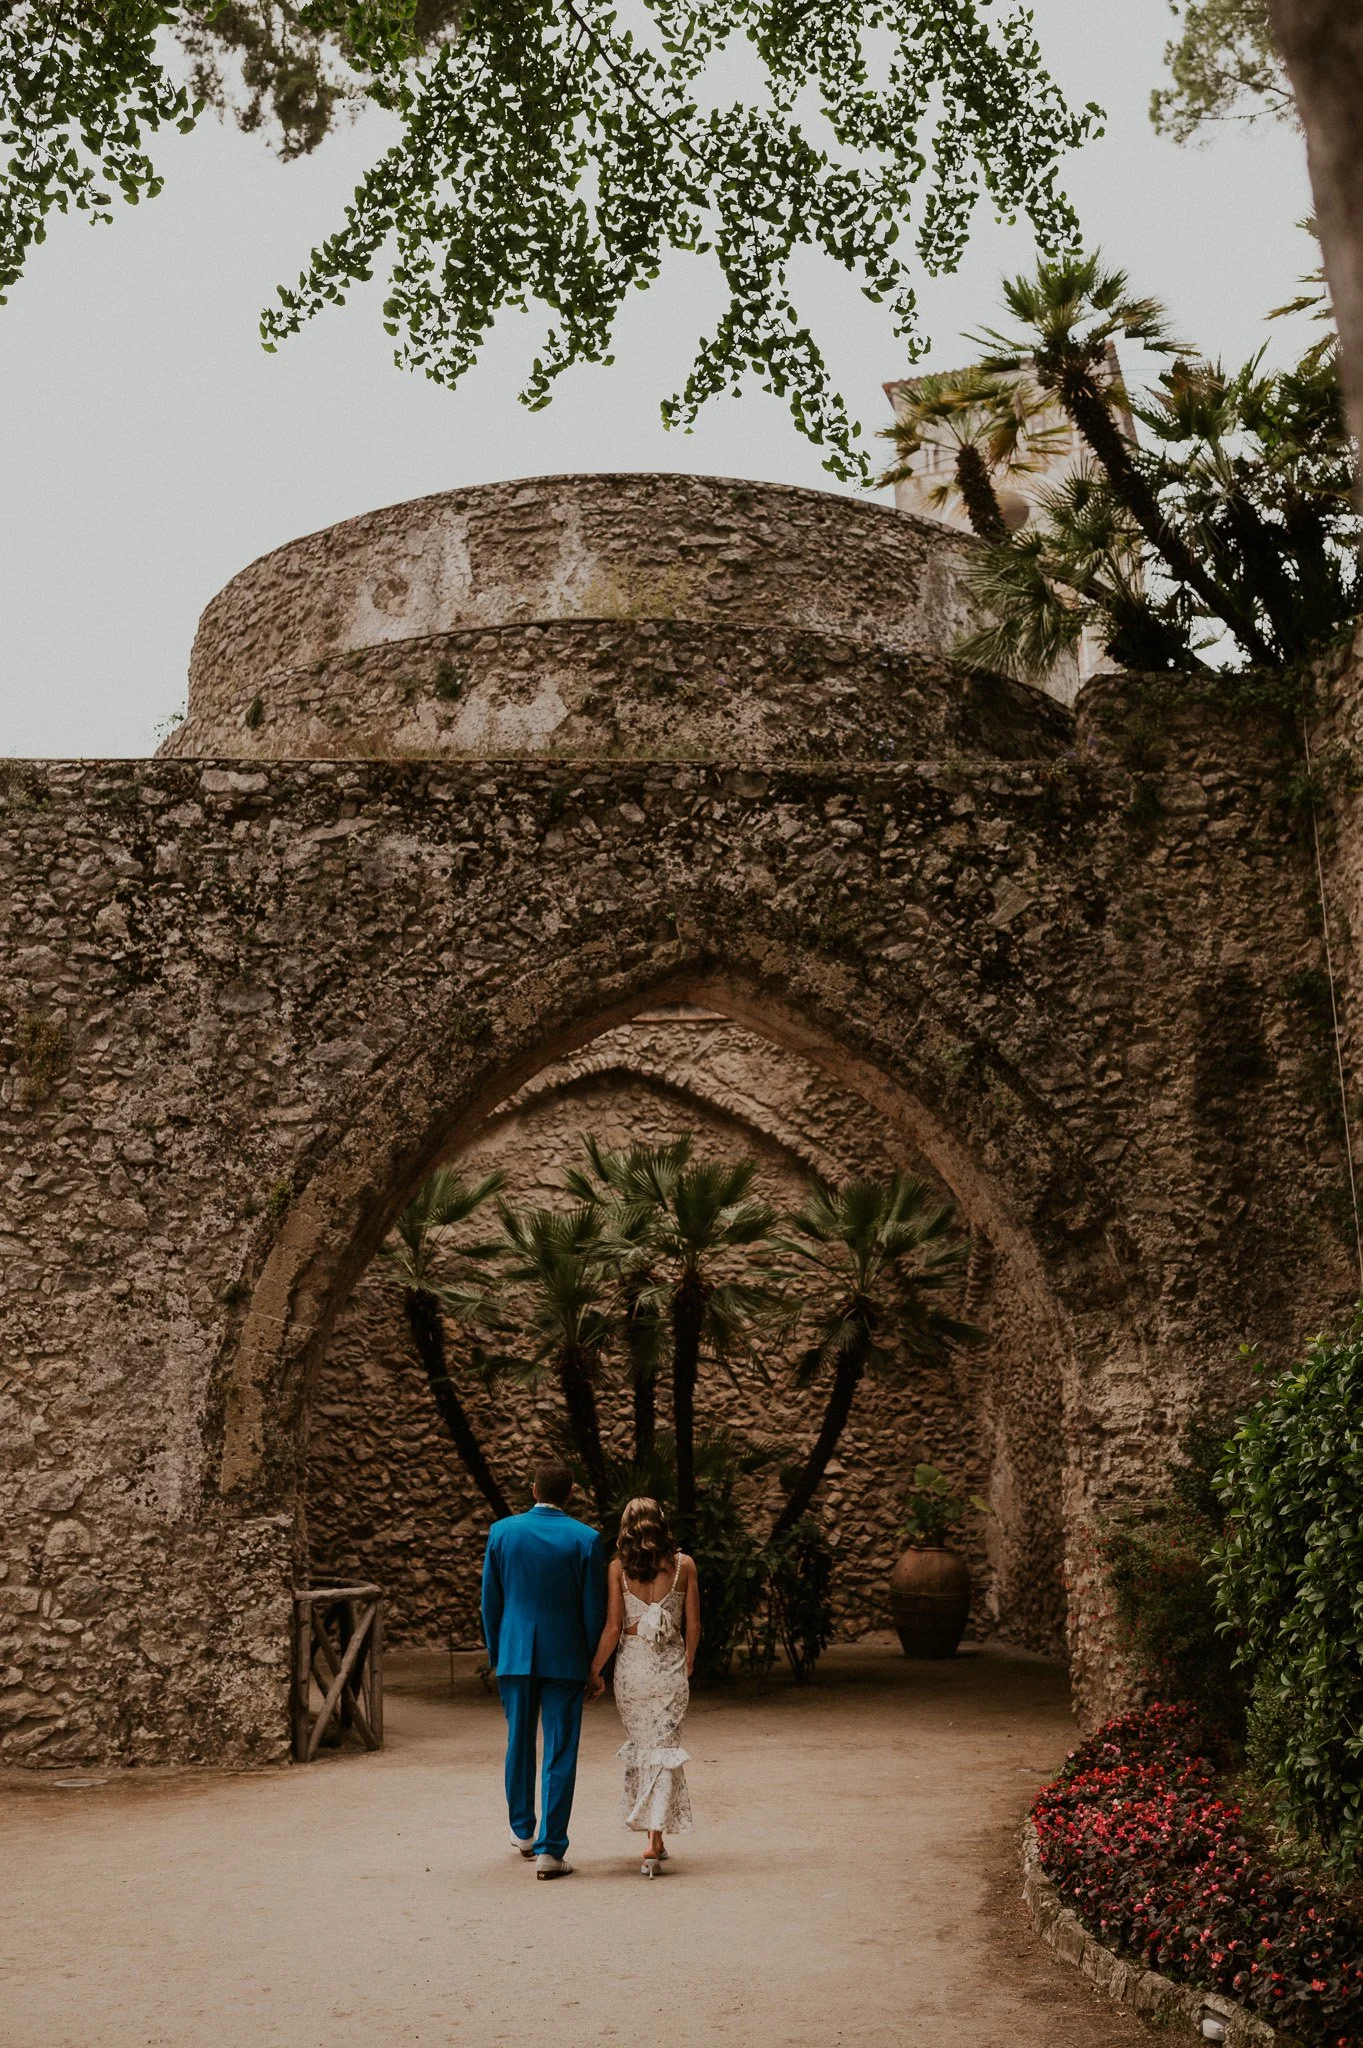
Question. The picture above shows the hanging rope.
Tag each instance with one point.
(1334, 1006)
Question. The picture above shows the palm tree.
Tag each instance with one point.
(1264, 471)
(630, 1229)
(561, 1264)
(880, 1250)
(435, 1279)
(643, 1331)
(1074, 309)
(1078, 568)
(684, 1215)
(993, 426)
(700, 1211)
(1261, 469)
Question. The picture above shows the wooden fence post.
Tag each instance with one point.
(348, 1668)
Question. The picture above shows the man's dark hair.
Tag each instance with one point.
(553, 1482)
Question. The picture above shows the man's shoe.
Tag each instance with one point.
(552, 1866)
(525, 1845)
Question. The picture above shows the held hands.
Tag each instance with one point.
(596, 1685)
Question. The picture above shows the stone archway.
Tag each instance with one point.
(432, 1110)
(387, 1499)
(246, 1001)
(1019, 1402)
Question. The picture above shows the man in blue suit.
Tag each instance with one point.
(544, 1607)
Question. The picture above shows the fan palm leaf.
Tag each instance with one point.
(684, 1216)
(990, 425)
(879, 1250)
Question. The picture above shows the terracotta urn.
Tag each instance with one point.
(930, 1600)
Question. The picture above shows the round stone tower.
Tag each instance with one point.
(605, 617)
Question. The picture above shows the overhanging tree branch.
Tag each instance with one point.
(552, 153)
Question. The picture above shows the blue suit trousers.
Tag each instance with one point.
(557, 1702)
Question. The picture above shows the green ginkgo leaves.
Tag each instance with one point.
(551, 154)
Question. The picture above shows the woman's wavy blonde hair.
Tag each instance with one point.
(645, 1543)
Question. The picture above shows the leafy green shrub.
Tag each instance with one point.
(1289, 1578)
(1157, 1563)
(756, 1599)
(933, 1509)
(732, 1586)
(799, 1572)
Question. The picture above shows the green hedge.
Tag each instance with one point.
(1288, 1573)
(1156, 1559)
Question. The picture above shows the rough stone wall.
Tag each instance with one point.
(243, 1010)
(651, 689)
(388, 1499)
(1336, 795)
(348, 631)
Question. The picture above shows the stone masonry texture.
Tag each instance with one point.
(246, 1004)
(488, 621)
(388, 1500)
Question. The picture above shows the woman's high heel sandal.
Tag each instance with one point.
(650, 1866)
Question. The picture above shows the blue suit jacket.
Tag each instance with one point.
(544, 1595)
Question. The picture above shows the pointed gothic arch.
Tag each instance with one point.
(388, 1500)
(268, 990)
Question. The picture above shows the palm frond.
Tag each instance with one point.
(639, 1173)
(732, 1308)
(882, 1247)
(418, 1243)
(1075, 301)
(1012, 426)
(537, 1235)
(469, 1305)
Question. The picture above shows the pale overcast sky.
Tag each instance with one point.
(151, 448)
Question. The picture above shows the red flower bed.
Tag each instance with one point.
(1134, 1838)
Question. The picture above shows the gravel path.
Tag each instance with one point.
(852, 1879)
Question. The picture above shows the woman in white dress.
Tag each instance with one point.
(653, 1617)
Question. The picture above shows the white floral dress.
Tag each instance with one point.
(652, 1694)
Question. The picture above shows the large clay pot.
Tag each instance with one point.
(930, 1600)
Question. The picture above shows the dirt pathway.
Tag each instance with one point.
(852, 1879)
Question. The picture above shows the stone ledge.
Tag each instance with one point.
(635, 545)
(1145, 1991)
(619, 688)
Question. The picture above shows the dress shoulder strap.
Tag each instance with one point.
(676, 1576)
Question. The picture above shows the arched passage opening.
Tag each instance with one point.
(382, 1492)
